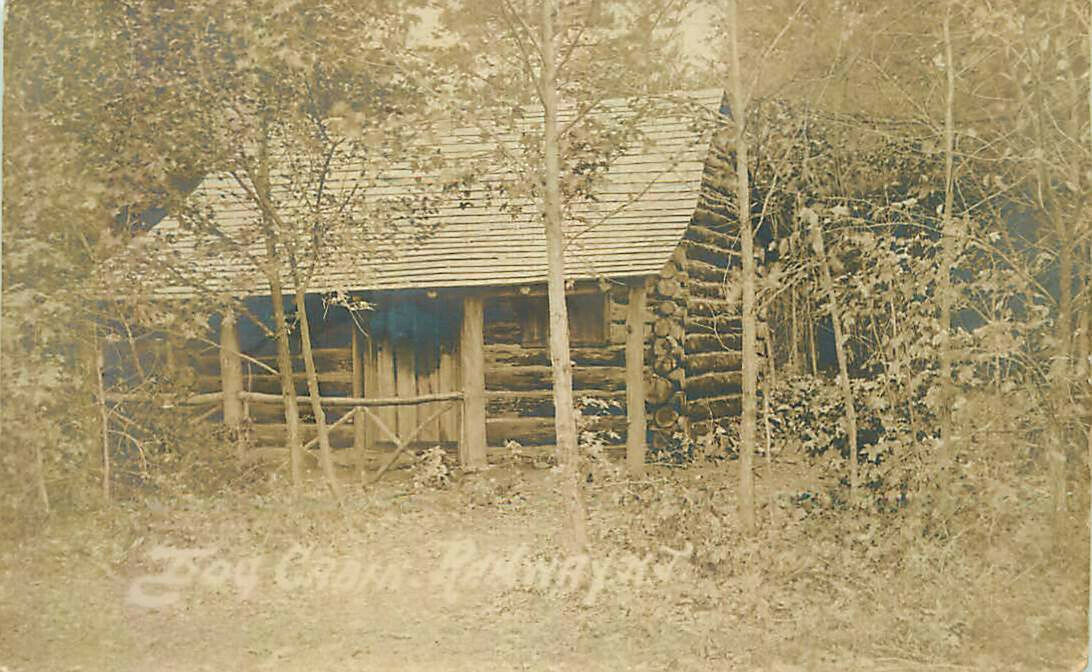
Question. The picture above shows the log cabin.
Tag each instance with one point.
(459, 312)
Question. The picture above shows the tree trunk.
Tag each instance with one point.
(105, 420)
(947, 254)
(326, 458)
(840, 351)
(1060, 364)
(360, 429)
(746, 236)
(564, 419)
(288, 387)
(284, 353)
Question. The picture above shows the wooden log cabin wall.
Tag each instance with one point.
(410, 349)
(469, 296)
(713, 356)
(409, 346)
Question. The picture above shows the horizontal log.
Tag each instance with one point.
(708, 254)
(727, 406)
(707, 290)
(605, 355)
(721, 324)
(540, 403)
(698, 342)
(541, 377)
(710, 306)
(708, 236)
(358, 401)
(539, 431)
(705, 217)
(705, 362)
(699, 270)
(716, 384)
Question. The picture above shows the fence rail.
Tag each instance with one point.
(355, 401)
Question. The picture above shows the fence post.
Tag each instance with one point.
(636, 428)
(231, 379)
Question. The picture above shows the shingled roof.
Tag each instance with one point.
(629, 226)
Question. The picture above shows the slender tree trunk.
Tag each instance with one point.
(105, 420)
(750, 356)
(840, 351)
(360, 429)
(1088, 341)
(284, 352)
(564, 418)
(947, 255)
(1060, 364)
(326, 458)
(288, 384)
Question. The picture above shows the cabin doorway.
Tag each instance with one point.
(413, 353)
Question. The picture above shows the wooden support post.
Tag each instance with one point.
(635, 380)
(472, 446)
(231, 378)
(360, 432)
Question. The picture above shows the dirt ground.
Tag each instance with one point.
(411, 579)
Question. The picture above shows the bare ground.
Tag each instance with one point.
(67, 599)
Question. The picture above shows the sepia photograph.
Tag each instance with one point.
(546, 335)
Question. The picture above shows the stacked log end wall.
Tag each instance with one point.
(668, 306)
(712, 330)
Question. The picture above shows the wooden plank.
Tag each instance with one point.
(385, 379)
(426, 373)
(637, 424)
(447, 381)
(405, 382)
(472, 448)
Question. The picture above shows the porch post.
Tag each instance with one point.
(472, 446)
(636, 428)
(360, 430)
(231, 378)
